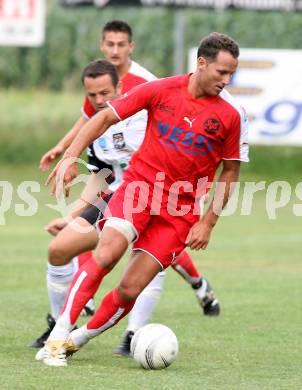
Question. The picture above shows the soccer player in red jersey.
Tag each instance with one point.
(193, 126)
(117, 46)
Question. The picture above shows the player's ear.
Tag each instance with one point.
(201, 63)
(101, 45)
(132, 46)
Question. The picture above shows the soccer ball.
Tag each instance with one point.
(154, 346)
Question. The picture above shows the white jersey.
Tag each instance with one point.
(121, 140)
(117, 145)
(138, 70)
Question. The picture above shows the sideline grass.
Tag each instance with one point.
(255, 267)
(32, 121)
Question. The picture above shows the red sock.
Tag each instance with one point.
(83, 287)
(83, 257)
(111, 310)
(186, 268)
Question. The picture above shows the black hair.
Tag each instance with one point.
(100, 68)
(118, 26)
(212, 44)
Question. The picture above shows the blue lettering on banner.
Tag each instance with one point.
(286, 125)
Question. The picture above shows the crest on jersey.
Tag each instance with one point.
(211, 125)
(118, 140)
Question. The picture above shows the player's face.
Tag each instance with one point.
(116, 47)
(99, 91)
(216, 75)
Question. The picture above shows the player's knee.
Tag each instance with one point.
(57, 255)
(105, 257)
(128, 291)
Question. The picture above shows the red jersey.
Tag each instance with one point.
(186, 138)
(136, 75)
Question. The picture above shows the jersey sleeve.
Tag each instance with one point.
(139, 98)
(236, 146)
(87, 109)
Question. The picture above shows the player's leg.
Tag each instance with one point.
(141, 313)
(157, 247)
(77, 237)
(114, 242)
(68, 243)
(88, 278)
(92, 215)
(185, 267)
(141, 269)
(78, 261)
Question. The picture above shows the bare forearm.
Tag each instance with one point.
(81, 205)
(95, 184)
(224, 188)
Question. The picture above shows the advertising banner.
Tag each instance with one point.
(22, 22)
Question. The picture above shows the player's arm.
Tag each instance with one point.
(66, 169)
(95, 184)
(54, 153)
(199, 235)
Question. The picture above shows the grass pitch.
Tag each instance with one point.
(254, 265)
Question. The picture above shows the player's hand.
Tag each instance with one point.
(48, 158)
(64, 172)
(199, 236)
(56, 225)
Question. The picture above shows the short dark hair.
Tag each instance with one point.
(100, 68)
(118, 26)
(212, 44)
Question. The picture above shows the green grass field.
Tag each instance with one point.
(254, 264)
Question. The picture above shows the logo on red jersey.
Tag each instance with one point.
(211, 125)
(186, 119)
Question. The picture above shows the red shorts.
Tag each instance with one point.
(162, 235)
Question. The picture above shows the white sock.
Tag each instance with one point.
(62, 329)
(58, 282)
(90, 304)
(142, 310)
(80, 336)
(201, 291)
